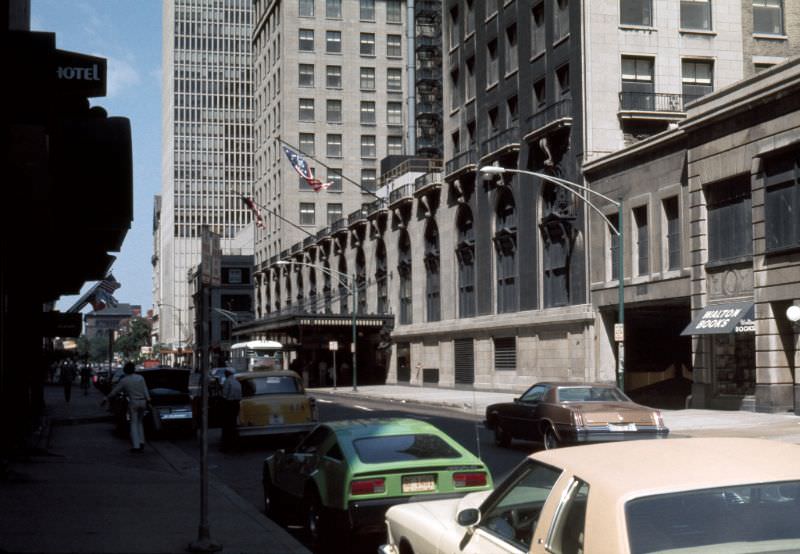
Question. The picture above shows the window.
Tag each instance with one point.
(381, 273)
(469, 20)
(303, 183)
(367, 78)
(394, 46)
(672, 225)
(333, 42)
(642, 240)
(306, 8)
(636, 12)
(334, 213)
(394, 79)
(307, 144)
(730, 227)
(455, 29)
(638, 89)
(562, 76)
(539, 98)
(307, 213)
(333, 111)
(335, 178)
(394, 113)
(367, 10)
(537, 35)
(512, 62)
(367, 112)
(404, 272)
(782, 202)
(394, 146)
(306, 40)
(613, 246)
(368, 179)
(367, 44)
(469, 84)
(334, 146)
(394, 12)
(333, 9)
(465, 254)
(505, 247)
(333, 76)
(561, 26)
(432, 278)
(306, 75)
(368, 146)
(567, 531)
(697, 79)
(768, 17)
(530, 485)
(492, 63)
(505, 353)
(306, 109)
(696, 14)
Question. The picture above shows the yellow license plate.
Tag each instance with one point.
(419, 483)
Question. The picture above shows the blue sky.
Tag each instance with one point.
(128, 34)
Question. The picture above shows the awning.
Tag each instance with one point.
(721, 319)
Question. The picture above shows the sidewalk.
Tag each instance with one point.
(684, 423)
(81, 490)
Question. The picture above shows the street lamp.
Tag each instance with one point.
(351, 289)
(617, 230)
(180, 339)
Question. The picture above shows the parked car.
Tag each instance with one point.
(573, 413)
(681, 495)
(273, 403)
(344, 475)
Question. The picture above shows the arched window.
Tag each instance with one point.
(381, 272)
(505, 248)
(404, 272)
(361, 281)
(432, 278)
(344, 292)
(465, 254)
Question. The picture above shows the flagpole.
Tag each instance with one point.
(328, 167)
(273, 212)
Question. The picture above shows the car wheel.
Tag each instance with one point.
(269, 499)
(314, 522)
(550, 439)
(501, 436)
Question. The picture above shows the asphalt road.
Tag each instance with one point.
(241, 469)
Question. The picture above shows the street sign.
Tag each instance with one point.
(333, 345)
(619, 332)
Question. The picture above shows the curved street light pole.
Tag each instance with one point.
(351, 289)
(618, 230)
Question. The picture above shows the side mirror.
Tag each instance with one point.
(468, 517)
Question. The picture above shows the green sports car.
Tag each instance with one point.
(344, 475)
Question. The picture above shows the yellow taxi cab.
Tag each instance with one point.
(274, 402)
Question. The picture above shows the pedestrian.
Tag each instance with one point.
(66, 377)
(231, 395)
(135, 387)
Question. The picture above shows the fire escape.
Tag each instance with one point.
(429, 78)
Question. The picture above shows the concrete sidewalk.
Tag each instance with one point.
(684, 423)
(81, 490)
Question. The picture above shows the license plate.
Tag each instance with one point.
(419, 483)
(276, 419)
(622, 427)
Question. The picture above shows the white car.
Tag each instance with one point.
(698, 495)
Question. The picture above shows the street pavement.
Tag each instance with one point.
(80, 489)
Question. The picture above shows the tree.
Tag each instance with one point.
(137, 334)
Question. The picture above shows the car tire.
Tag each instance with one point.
(550, 439)
(501, 436)
(269, 499)
(314, 522)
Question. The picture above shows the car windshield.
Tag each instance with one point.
(401, 448)
(762, 517)
(278, 384)
(590, 394)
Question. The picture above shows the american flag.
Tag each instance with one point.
(109, 284)
(302, 168)
(248, 201)
(103, 295)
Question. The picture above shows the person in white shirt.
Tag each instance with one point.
(138, 398)
(231, 395)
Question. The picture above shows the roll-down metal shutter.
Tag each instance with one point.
(464, 361)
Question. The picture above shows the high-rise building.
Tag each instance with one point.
(207, 155)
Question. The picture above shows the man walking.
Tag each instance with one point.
(231, 395)
(138, 398)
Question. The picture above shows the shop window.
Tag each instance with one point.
(782, 202)
(730, 228)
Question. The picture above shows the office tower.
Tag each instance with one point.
(207, 144)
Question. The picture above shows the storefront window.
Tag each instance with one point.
(734, 362)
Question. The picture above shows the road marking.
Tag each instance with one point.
(363, 408)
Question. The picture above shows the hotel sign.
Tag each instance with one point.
(79, 74)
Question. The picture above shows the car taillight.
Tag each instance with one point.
(658, 419)
(471, 479)
(367, 486)
(577, 418)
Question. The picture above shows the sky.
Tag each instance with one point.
(128, 34)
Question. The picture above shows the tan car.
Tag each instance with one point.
(557, 414)
(698, 495)
(274, 402)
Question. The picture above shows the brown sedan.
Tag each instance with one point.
(573, 413)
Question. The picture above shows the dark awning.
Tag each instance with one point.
(721, 319)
